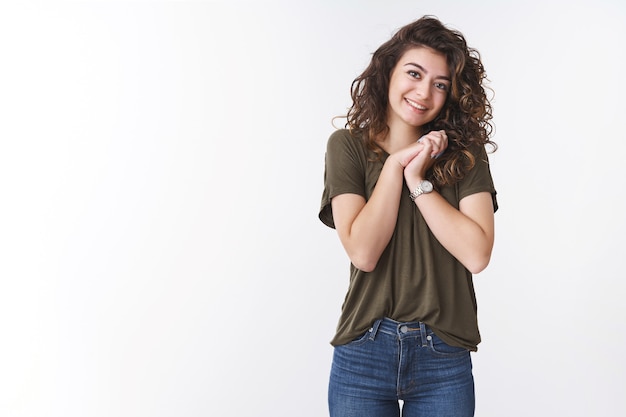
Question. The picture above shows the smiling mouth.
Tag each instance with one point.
(415, 105)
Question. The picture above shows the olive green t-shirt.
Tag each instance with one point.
(416, 278)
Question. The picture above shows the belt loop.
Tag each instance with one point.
(374, 329)
(423, 334)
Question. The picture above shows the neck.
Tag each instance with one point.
(399, 136)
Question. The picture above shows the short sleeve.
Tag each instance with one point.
(479, 179)
(344, 171)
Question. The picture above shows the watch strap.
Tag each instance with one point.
(419, 190)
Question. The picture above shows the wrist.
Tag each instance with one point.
(423, 187)
(413, 179)
(395, 162)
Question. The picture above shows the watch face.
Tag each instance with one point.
(426, 186)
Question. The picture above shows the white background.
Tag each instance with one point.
(160, 176)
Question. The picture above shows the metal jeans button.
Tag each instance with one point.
(404, 329)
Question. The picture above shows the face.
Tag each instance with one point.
(418, 87)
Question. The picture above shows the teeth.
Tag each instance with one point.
(414, 104)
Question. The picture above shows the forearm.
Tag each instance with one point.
(468, 237)
(366, 235)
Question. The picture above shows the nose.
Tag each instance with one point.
(422, 89)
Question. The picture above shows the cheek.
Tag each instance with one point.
(441, 104)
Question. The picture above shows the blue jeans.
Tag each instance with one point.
(400, 361)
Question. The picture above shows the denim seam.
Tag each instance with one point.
(374, 330)
(423, 334)
(399, 370)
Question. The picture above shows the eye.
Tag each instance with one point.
(441, 86)
(414, 74)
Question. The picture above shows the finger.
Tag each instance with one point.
(431, 145)
(437, 137)
(444, 138)
(442, 144)
(423, 141)
(437, 141)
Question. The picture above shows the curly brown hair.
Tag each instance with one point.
(466, 115)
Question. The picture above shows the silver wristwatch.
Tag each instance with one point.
(424, 187)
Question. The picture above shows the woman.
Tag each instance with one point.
(409, 191)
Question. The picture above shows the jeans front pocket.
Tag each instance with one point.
(440, 348)
(360, 339)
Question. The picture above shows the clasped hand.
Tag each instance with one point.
(418, 157)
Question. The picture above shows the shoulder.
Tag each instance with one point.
(343, 142)
(345, 139)
(479, 152)
(480, 159)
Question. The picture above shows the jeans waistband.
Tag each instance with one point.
(400, 329)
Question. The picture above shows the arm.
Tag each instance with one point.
(365, 228)
(467, 233)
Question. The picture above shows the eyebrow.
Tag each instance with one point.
(418, 66)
